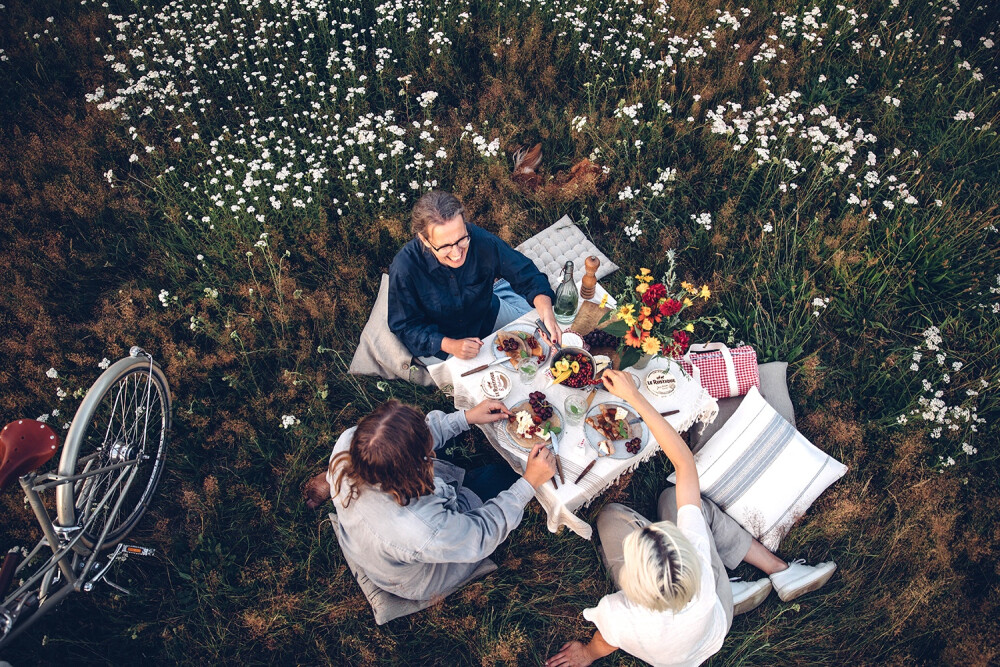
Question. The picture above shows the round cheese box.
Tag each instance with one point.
(496, 385)
(660, 383)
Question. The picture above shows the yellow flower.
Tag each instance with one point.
(646, 311)
(651, 345)
(641, 288)
(604, 300)
(629, 320)
(647, 325)
(626, 311)
(689, 287)
(644, 276)
(705, 292)
(689, 326)
(688, 302)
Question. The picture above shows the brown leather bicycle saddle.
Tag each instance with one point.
(25, 445)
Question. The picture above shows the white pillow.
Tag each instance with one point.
(762, 472)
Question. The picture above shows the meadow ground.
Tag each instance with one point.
(223, 183)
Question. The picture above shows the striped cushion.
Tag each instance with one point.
(763, 472)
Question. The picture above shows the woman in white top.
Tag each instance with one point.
(676, 603)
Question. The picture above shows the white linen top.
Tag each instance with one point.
(688, 637)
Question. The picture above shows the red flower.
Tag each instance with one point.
(682, 340)
(670, 307)
(653, 294)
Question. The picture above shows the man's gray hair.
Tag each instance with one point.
(434, 208)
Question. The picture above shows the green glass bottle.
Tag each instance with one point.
(567, 297)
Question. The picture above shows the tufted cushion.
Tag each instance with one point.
(387, 606)
(562, 242)
(774, 389)
(380, 352)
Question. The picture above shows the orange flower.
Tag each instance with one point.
(647, 325)
(631, 339)
(641, 288)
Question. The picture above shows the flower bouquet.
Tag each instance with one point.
(650, 317)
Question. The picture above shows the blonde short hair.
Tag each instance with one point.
(661, 570)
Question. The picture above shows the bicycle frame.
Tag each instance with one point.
(77, 565)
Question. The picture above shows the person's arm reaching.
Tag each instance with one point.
(578, 654)
(469, 537)
(688, 487)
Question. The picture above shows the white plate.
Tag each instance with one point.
(524, 328)
(638, 430)
(508, 438)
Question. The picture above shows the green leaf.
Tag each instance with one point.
(630, 355)
(622, 429)
(555, 429)
(524, 354)
(616, 328)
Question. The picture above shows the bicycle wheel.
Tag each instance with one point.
(122, 424)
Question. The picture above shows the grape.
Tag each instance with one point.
(600, 338)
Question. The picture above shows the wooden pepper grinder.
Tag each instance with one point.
(589, 282)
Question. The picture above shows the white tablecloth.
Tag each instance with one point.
(690, 398)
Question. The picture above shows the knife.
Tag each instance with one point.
(545, 330)
(555, 450)
(636, 420)
(590, 397)
(585, 471)
(485, 366)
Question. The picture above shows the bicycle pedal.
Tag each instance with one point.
(135, 550)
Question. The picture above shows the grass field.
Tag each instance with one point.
(223, 184)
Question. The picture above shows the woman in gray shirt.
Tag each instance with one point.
(405, 515)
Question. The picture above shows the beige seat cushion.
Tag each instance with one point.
(559, 243)
(380, 352)
(387, 606)
(774, 389)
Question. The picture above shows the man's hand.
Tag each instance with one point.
(487, 412)
(541, 466)
(572, 654)
(316, 491)
(620, 384)
(463, 348)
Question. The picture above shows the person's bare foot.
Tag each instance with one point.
(316, 491)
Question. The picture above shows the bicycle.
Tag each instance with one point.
(110, 466)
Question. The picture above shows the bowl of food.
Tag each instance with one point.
(579, 363)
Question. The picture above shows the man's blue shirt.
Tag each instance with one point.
(428, 301)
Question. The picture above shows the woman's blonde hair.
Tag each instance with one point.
(661, 570)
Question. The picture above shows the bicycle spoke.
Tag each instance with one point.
(129, 422)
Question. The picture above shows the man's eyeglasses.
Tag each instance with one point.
(462, 243)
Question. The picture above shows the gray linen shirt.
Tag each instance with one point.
(433, 544)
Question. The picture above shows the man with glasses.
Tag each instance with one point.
(455, 283)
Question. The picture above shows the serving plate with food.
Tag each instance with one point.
(614, 430)
(575, 368)
(532, 422)
(519, 341)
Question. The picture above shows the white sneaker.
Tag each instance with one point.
(747, 595)
(800, 578)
